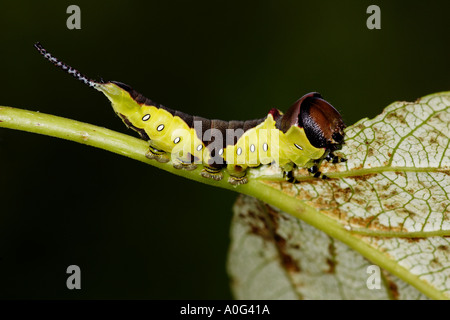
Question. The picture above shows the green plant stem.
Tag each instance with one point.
(135, 148)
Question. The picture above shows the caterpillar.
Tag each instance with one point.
(308, 133)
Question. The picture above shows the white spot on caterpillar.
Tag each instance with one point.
(199, 147)
(265, 146)
(177, 139)
(298, 147)
(146, 117)
(220, 152)
(239, 151)
(160, 127)
(252, 148)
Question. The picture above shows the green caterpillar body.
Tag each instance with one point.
(310, 131)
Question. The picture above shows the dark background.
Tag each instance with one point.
(63, 203)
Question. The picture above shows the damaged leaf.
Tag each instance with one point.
(277, 256)
(389, 202)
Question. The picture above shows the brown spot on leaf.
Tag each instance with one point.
(359, 127)
(264, 222)
(389, 206)
(258, 225)
(261, 232)
(288, 262)
(400, 173)
(359, 201)
(396, 116)
(343, 194)
(372, 223)
(386, 195)
(432, 141)
(288, 188)
(413, 240)
(331, 260)
(359, 167)
(393, 289)
(331, 266)
(325, 202)
(435, 263)
(403, 212)
(363, 177)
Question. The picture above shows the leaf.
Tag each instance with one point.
(274, 255)
(389, 201)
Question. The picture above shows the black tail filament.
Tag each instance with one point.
(75, 73)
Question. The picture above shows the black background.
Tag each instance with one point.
(135, 231)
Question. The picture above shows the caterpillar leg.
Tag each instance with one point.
(157, 155)
(331, 157)
(212, 173)
(315, 171)
(238, 175)
(237, 180)
(289, 176)
(181, 164)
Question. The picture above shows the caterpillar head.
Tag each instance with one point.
(322, 123)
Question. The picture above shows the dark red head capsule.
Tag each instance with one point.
(322, 123)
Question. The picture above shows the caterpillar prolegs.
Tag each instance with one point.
(309, 132)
